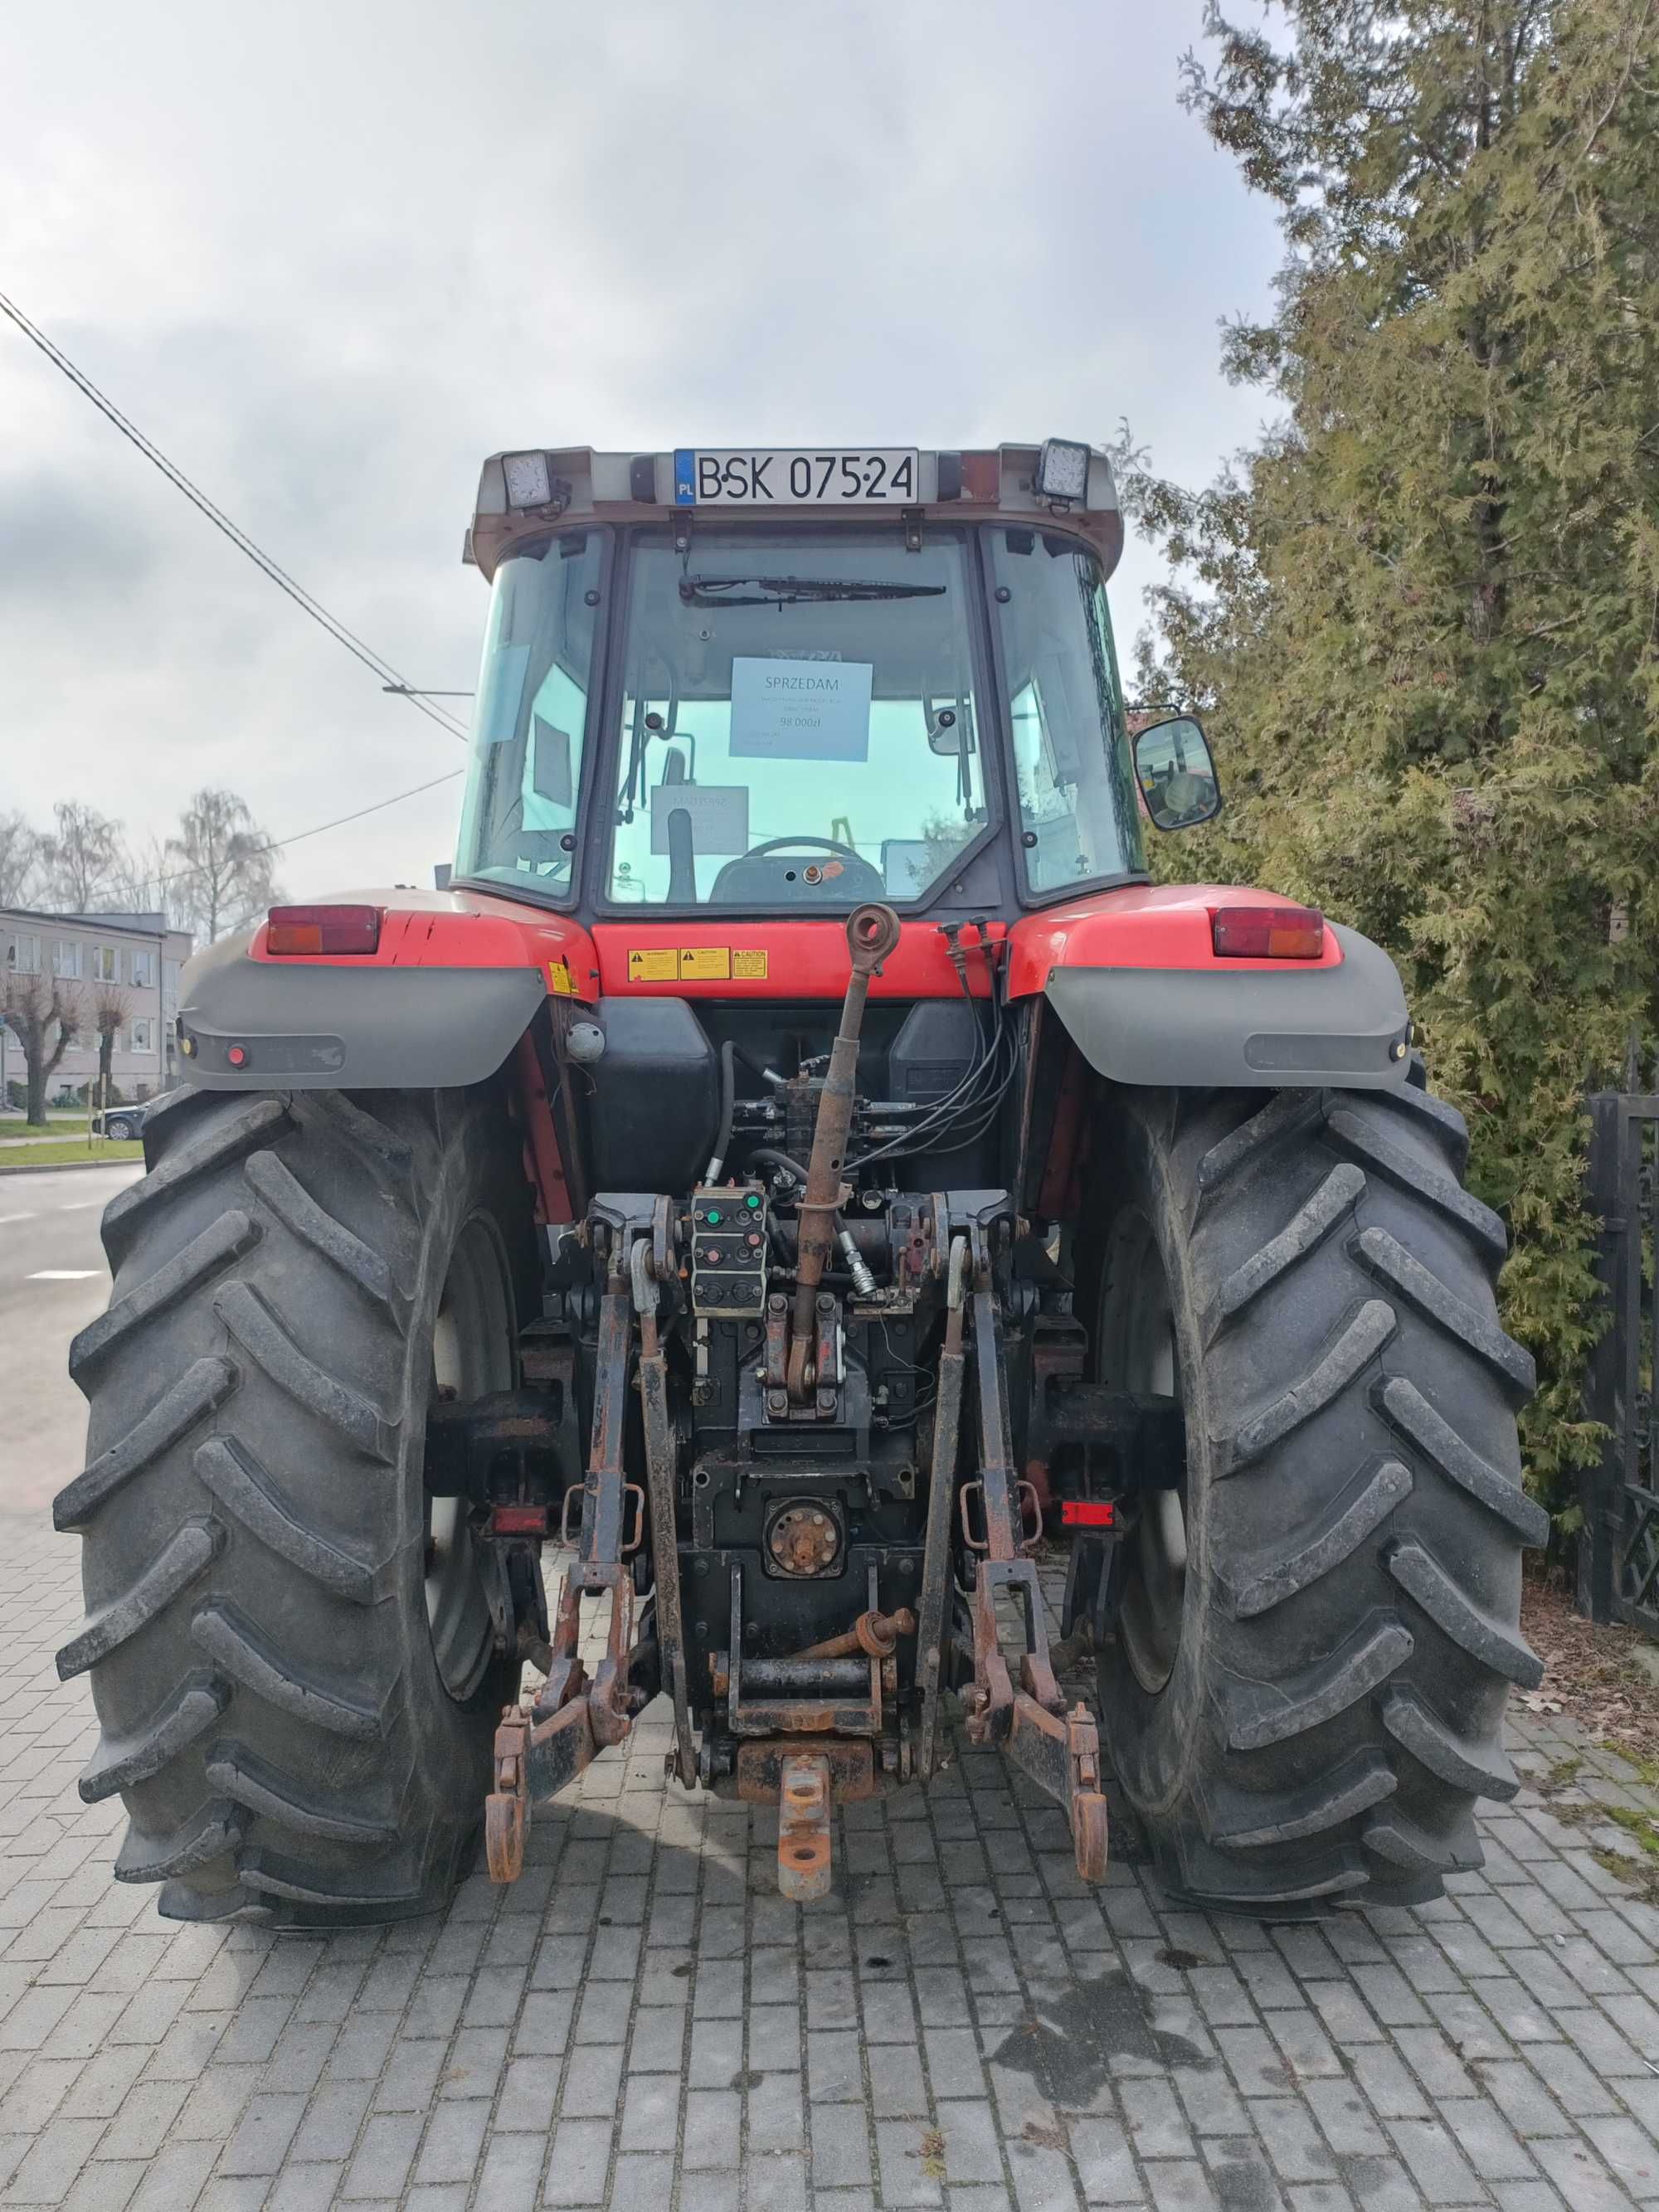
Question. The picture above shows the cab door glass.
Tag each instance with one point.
(531, 715)
(1078, 819)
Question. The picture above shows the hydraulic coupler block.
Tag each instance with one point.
(728, 1252)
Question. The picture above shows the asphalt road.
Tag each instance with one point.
(53, 1279)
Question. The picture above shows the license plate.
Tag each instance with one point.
(870, 476)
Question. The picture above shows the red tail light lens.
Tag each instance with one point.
(518, 1521)
(1267, 932)
(322, 929)
(1087, 1513)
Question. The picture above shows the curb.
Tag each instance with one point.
(67, 1167)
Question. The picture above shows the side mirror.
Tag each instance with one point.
(1176, 775)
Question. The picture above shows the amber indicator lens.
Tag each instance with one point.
(1267, 932)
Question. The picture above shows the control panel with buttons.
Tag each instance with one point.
(729, 1251)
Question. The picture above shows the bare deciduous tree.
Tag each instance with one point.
(111, 1008)
(82, 857)
(222, 863)
(141, 883)
(44, 1014)
(19, 859)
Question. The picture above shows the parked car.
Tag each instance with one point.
(120, 1122)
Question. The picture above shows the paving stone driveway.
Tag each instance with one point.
(642, 2022)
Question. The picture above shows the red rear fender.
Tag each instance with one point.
(1142, 925)
(1134, 975)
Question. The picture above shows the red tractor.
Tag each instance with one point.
(802, 1165)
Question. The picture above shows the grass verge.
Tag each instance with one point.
(73, 1152)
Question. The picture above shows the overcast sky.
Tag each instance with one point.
(328, 257)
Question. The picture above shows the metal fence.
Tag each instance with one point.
(1618, 1547)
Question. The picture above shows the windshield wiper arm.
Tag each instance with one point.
(790, 590)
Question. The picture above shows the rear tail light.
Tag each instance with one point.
(322, 929)
(1267, 932)
(1087, 1513)
(518, 1521)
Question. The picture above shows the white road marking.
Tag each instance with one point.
(60, 1275)
(5, 1218)
(80, 1205)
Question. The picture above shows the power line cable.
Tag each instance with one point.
(398, 687)
(281, 844)
(239, 538)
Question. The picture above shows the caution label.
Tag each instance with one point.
(558, 979)
(690, 964)
(705, 963)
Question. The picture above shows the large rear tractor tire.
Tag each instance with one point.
(292, 1652)
(1317, 1631)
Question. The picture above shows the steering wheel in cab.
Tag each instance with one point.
(763, 872)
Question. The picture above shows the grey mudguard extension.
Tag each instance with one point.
(1247, 1029)
(344, 1028)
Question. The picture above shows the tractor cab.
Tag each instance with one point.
(782, 683)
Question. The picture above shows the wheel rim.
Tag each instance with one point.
(1137, 1351)
(471, 1355)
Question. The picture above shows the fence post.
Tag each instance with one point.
(1600, 1487)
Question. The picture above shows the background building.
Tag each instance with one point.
(133, 958)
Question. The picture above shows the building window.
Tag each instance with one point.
(143, 970)
(170, 981)
(23, 956)
(66, 959)
(144, 1036)
(106, 964)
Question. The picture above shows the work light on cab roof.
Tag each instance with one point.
(799, 1164)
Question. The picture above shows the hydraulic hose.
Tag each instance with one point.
(770, 1156)
(728, 1107)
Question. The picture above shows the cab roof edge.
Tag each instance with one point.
(523, 491)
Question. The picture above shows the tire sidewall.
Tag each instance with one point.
(447, 1734)
(1154, 1739)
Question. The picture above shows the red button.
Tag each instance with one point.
(237, 1055)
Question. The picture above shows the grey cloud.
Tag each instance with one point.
(330, 257)
(59, 537)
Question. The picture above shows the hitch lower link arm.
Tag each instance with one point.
(538, 1751)
(1022, 1709)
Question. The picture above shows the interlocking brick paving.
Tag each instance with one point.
(642, 2022)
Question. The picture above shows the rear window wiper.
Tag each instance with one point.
(792, 590)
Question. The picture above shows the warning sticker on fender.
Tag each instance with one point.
(693, 963)
(705, 963)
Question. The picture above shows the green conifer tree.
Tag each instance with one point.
(1422, 616)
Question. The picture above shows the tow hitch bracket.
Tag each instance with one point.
(803, 1828)
(538, 1751)
(1022, 1707)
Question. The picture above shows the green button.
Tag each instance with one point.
(753, 1199)
(713, 1215)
